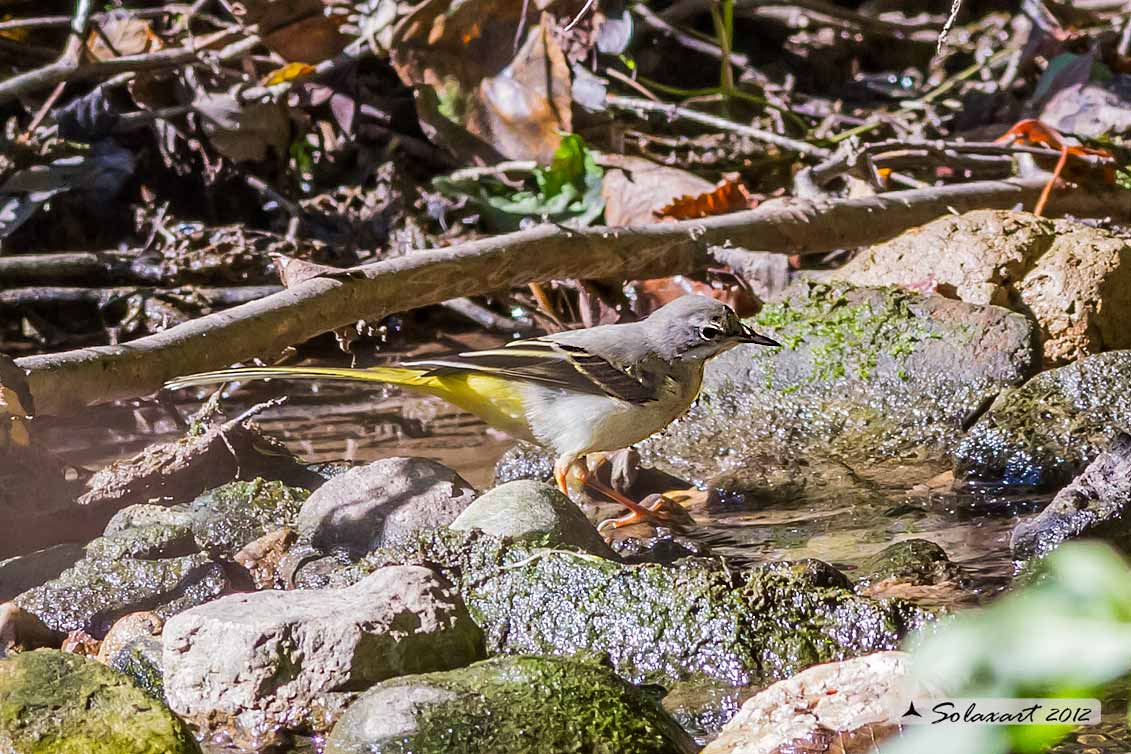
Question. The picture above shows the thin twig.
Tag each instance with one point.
(675, 111)
(61, 69)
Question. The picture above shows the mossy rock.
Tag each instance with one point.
(1046, 431)
(57, 703)
(656, 623)
(913, 561)
(140, 661)
(130, 570)
(226, 518)
(864, 374)
(516, 705)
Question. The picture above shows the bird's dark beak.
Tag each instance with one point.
(749, 336)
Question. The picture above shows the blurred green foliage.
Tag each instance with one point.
(1066, 633)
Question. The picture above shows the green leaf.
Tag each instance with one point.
(567, 192)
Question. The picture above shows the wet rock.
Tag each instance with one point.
(128, 628)
(144, 542)
(131, 570)
(56, 702)
(381, 502)
(842, 706)
(916, 562)
(1095, 504)
(866, 374)
(147, 514)
(263, 557)
(517, 705)
(656, 623)
(530, 511)
(1044, 432)
(249, 665)
(524, 460)
(140, 660)
(228, 518)
(23, 572)
(1073, 279)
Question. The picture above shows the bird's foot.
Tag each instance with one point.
(651, 510)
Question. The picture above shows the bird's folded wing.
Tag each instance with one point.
(549, 363)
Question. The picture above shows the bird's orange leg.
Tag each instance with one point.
(637, 512)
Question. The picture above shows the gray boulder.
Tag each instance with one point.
(382, 502)
(53, 702)
(530, 511)
(516, 705)
(249, 665)
(1044, 432)
(865, 374)
(1096, 503)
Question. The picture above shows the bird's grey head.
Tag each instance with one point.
(695, 328)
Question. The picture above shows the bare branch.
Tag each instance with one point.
(66, 382)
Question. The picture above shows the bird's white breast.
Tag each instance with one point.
(578, 423)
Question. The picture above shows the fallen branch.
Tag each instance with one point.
(66, 382)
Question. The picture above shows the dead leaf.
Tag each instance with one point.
(653, 293)
(121, 35)
(244, 130)
(474, 94)
(729, 195)
(635, 189)
(292, 271)
(298, 30)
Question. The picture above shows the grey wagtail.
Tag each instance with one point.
(575, 392)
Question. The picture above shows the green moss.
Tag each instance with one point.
(227, 518)
(56, 703)
(651, 622)
(140, 661)
(525, 705)
(845, 338)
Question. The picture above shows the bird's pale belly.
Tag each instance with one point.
(575, 423)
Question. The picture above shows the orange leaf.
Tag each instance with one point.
(287, 73)
(728, 196)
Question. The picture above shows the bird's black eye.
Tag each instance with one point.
(709, 333)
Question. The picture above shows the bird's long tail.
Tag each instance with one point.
(406, 376)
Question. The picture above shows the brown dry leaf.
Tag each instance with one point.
(729, 195)
(292, 271)
(635, 189)
(298, 30)
(653, 293)
(474, 94)
(244, 130)
(121, 35)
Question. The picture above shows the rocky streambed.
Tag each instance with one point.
(883, 469)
